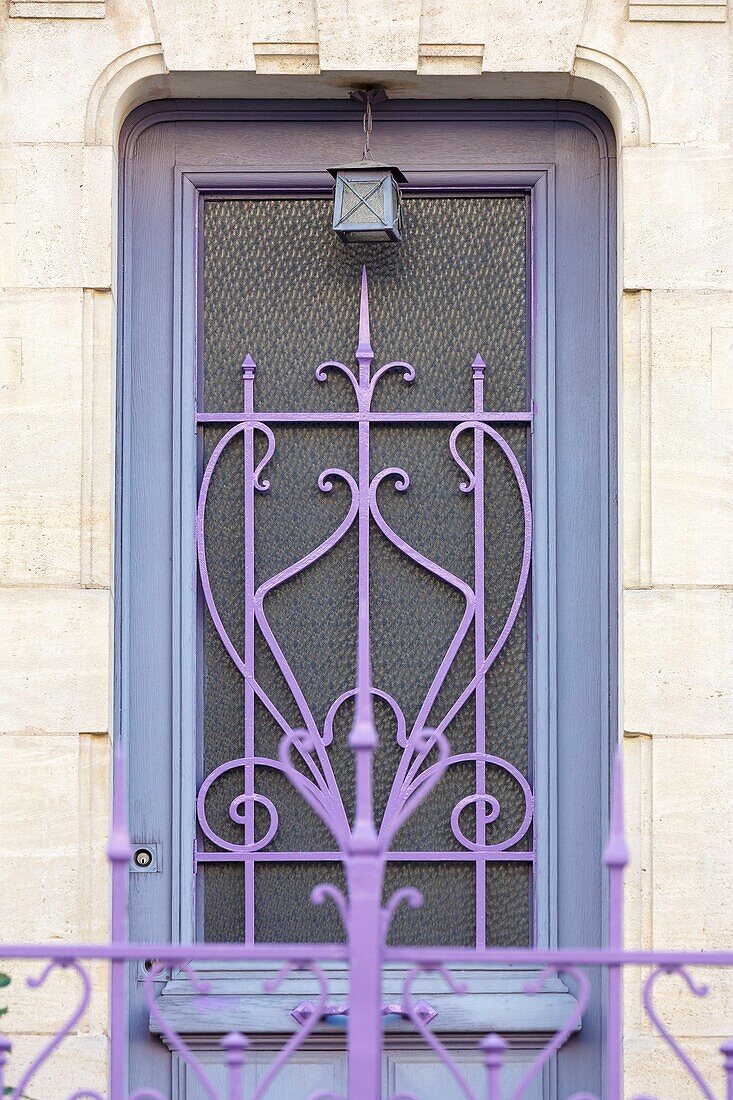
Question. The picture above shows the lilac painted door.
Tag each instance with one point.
(373, 428)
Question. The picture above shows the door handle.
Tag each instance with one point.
(337, 1014)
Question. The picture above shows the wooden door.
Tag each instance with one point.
(498, 297)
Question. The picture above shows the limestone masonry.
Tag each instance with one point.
(663, 73)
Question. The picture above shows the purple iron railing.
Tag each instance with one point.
(364, 844)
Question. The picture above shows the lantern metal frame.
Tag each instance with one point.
(386, 178)
(384, 224)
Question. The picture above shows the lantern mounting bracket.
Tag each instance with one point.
(368, 95)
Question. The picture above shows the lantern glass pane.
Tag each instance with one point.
(363, 201)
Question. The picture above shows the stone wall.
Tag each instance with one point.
(663, 71)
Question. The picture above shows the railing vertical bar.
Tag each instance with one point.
(119, 853)
(726, 1050)
(5, 1048)
(234, 1045)
(493, 1047)
(479, 367)
(364, 861)
(615, 857)
(365, 879)
(248, 375)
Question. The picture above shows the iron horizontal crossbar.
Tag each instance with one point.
(365, 417)
(425, 957)
(178, 952)
(393, 857)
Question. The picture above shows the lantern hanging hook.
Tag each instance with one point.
(367, 197)
(367, 129)
(368, 97)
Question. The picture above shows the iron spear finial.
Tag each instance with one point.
(479, 368)
(616, 853)
(248, 383)
(364, 352)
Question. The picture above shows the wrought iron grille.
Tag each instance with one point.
(364, 840)
(422, 743)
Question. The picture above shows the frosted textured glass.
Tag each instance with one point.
(508, 911)
(224, 902)
(447, 915)
(280, 285)
(283, 909)
(371, 210)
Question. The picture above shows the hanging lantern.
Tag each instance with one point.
(367, 198)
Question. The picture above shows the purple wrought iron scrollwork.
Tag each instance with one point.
(65, 1029)
(414, 777)
(364, 844)
(699, 990)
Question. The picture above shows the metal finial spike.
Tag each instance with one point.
(479, 367)
(493, 1044)
(249, 367)
(616, 853)
(119, 849)
(234, 1043)
(364, 350)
